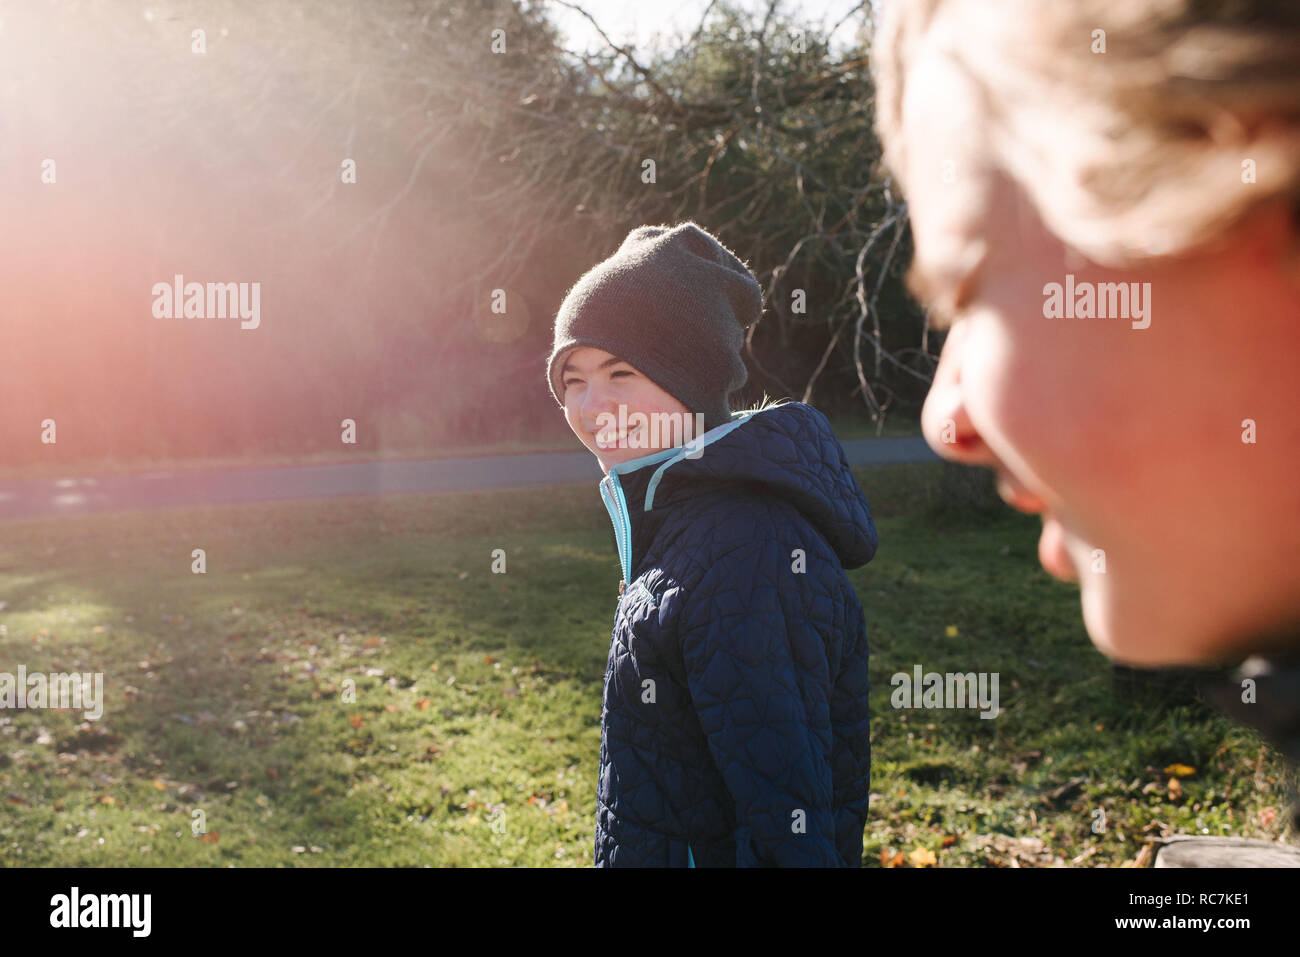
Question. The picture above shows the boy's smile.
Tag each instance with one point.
(608, 439)
(607, 403)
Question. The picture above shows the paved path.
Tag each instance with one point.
(77, 495)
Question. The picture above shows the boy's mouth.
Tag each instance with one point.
(609, 439)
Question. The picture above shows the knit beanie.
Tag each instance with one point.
(674, 303)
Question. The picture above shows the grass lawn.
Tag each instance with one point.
(349, 683)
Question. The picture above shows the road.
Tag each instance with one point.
(77, 495)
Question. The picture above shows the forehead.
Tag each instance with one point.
(948, 165)
(588, 357)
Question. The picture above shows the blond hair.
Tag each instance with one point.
(1138, 128)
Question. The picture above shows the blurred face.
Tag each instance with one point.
(1178, 523)
(617, 412)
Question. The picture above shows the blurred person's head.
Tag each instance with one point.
(1048, 151)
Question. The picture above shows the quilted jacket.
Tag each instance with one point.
(734, 725)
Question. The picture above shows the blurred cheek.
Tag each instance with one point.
(1035, 394)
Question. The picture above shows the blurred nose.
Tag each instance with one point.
(944, 420)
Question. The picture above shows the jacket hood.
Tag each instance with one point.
(788, 452)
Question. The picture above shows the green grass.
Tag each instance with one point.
(477, 695)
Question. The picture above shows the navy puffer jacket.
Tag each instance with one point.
(734, 727)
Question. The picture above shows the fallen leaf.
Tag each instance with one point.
(211, 837)
(422, 703)
(1180, 770)
(1175, 789)
(951, 631)
(923, 857)
(1267, 816)
(489, 659)
(107, 799)
(159, 784)
(390, 707)
(356, 720)
(949, 840)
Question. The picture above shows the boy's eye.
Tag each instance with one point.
(622, 372)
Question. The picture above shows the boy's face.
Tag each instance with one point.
(596, 386)
(1128, 441)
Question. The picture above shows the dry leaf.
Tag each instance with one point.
(211, 837)
(422, 703)
(951, 631)
(356, 720)
(923, 857)
(1180, 770)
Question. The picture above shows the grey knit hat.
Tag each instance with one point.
(674, 303)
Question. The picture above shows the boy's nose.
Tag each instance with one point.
(595, 402)
(944, 420)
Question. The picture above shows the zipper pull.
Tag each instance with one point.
(621, 586)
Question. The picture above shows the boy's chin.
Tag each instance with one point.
(1127, 641)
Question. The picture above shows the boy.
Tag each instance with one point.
(734, 727)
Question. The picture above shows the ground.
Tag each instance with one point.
(350, 683)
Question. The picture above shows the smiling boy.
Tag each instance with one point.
(734, 726)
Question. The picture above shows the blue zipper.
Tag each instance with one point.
(611, 492)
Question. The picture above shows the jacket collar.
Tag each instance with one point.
(1264, 693)
(635, 492)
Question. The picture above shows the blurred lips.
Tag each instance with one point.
(1052, 553)
(1017, 496)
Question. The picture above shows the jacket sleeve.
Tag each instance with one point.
(769, 742)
